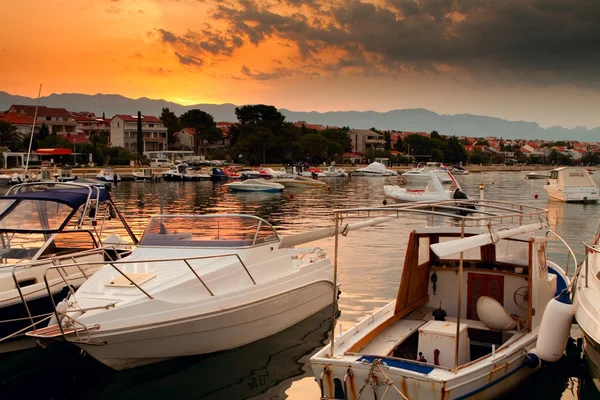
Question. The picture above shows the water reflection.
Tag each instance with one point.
(264, 369)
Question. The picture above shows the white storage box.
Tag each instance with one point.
(441, 336)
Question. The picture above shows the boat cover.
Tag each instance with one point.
(74, 197)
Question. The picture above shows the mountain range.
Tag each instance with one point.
(412, 120)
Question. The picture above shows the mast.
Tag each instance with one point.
(37, 102)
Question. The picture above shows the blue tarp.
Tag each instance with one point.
(395, 363)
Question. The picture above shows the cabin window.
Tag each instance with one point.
(69, 242)
(512, 252)
(423, 250)
(36, 215)
(554, 175)
(4, 204)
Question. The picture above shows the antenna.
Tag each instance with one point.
(37, 102)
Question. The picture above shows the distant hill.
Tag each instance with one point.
(404, 120)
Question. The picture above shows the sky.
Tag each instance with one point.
(530, 60)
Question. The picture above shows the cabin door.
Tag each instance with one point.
(483, 285)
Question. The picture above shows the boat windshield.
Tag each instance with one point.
(208, 231)
(33, 215)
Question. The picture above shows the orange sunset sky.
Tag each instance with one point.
(534, 60)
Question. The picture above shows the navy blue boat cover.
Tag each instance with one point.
(73, 197)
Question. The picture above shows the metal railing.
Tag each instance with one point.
(185, 260)
(570, 253)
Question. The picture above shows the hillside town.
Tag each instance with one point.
(259, 136)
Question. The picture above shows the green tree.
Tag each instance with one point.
(476, 156)
(590, 158)
(44, 132)
(338, 136)
(315, 146)
(388, 140)
(399, 145)
(204, 127)
(455, 151)
(9, 137)
(435, 135)
(171, 122)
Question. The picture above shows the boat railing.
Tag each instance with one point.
(114, 264)
(34, 319)
(584, 264)
(570, 253)
(478, 213)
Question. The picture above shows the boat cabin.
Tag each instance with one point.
(454, 309)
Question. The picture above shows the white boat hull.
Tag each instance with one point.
(204, 334)
(573, 195)
(401, 194)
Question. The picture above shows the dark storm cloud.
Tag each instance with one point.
(539, 40)
(189, 60)
(264, 76)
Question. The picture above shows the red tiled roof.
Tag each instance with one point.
(16, 119)
(133, 118)
(42, 111)
(77, 139)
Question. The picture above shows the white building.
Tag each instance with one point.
(123, 133)
(363, 139)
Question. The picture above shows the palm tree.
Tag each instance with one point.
(9, 136)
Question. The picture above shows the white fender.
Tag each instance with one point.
(493, 315)
(555, 328)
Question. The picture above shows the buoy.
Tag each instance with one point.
(384, 202)
(328, 188)
(555, 328)
(535, 196)
(291, 195)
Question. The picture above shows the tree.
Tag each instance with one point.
(171, 122)
(388, 140)
(315, 146)
(9, 136)
(43, 132)
(204, 127)
(399, 145)
(455, 152)
(476, 156)
(338, 136)
(435, 135)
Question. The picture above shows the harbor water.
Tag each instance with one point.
(277, 367)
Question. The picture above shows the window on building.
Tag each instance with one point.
(48, 118)
(151, 125)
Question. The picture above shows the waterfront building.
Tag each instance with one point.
(123, 133)
(58, 120)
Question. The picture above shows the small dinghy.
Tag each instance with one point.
(433, 192)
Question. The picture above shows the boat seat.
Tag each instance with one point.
(384, 343)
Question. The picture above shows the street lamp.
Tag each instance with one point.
(481, 189)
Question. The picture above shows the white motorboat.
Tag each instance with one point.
(48, 224)
(537, 175)
(586, 298)
(280, 173)
(374, 169)
(300, 181)
(145, 175)
(333, 172)
(255, 185)
(183, 173)
(195, 284)
(434, 191)
(65, 175)
(108, 174)
(421, 173)
(458, 170)
(474, 315)
(572, 185)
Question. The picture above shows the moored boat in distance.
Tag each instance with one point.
(255, 185)
(434, 191)
(108, 174)
(572, 185)
(537, 175)
(145, 175)
(374, 169)
(195, 284)
(300, 181)
(422, 172)
(475, 311)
